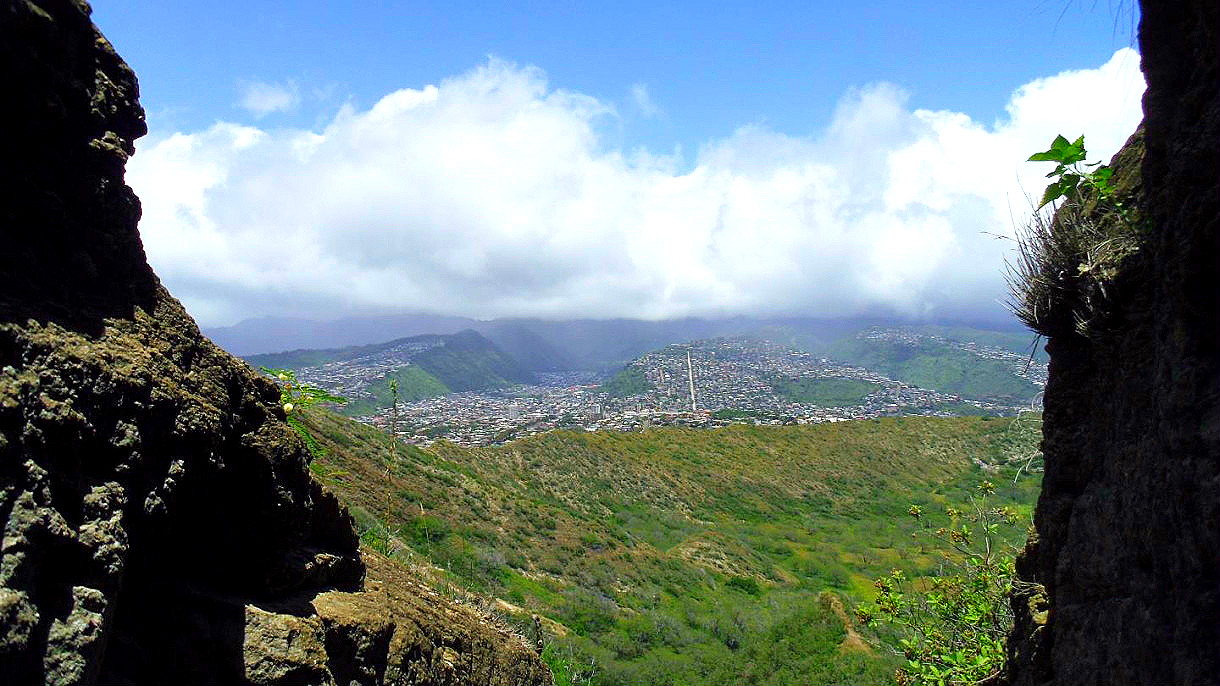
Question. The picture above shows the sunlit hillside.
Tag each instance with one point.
(677, 555)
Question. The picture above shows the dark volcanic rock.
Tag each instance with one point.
(1127, 550)
(160, 524)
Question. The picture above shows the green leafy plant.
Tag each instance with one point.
(295, 396)
(1071, 173)
(953, 626)
(1066, 263)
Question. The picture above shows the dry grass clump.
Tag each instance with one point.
(1066, 264)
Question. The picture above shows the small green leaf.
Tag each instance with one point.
(1048, 156)
(1051, 194)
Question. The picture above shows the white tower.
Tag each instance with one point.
(690, 375)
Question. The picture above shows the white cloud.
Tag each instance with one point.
(643, 101)
(491, 194)
(261, 99)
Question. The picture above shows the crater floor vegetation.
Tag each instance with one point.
(682, 556)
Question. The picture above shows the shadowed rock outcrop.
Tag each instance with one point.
(1121, 582)
(160, 524)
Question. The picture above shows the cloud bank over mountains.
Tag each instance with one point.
(493, 194)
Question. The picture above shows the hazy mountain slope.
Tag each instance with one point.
(467, 361)
(677, 556)
(424, 366)
(271, 334)
(540, 344)
(309, 357)
(1023, 342)
(530, 349)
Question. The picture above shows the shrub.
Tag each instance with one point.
(953, 627)
(746, 584)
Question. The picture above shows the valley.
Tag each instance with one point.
(679, 555)
(465, 389)
(711, 511)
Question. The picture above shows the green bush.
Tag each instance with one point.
(745, 584)
(953, 627)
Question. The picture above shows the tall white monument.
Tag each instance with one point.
(690, 375)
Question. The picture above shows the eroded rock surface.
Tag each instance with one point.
(1122, 579)
(160, 524)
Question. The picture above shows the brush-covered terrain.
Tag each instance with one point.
(675, 555)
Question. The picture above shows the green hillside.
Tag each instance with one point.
(413, 384)
(468, 362)
(937, 366)
(678, 555)
(1022, 342)
(826, 392)
(629, 381)
(296, 359)
(438, 365)
(463, 361)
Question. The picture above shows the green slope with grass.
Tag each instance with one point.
(679, 555)
(629, 381)
(468, 362)
(413, 384)
(825, 392)
(937, 366)
(436, 365)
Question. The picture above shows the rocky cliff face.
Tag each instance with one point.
(160, 524)
(1126, 556)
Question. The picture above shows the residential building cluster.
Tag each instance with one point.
(735, 381)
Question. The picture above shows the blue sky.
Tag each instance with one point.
(737, 116)
(707, 67)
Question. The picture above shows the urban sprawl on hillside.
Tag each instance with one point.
(735, 381)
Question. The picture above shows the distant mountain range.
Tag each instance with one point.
(603, 345)
(973, 364)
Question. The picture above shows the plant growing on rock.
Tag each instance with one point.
(1072, 174)
(295, 396)
(953, 627)
(1068, 263)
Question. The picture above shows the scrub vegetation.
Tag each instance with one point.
(680, 556)
(627, 382)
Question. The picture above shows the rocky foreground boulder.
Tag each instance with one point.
(160, 523)
(1121, 581)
